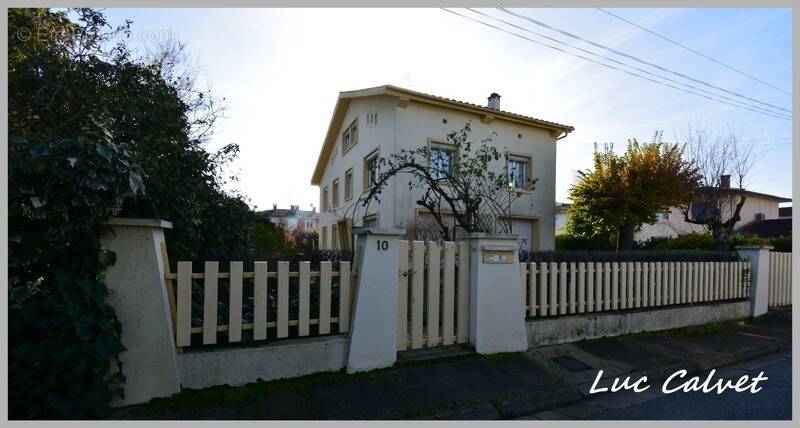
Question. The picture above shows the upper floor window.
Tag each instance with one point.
(348, 184)
(325, 199)
(371, 170)
(519, 172)
(335, 189)
(350, 136)
(441, 161)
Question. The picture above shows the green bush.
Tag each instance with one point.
(705, 241)
(64, 338)
(783, 244)
(568, 242)
(689, 241)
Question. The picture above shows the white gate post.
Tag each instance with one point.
(497, 305)
(138, 294)
(373, 333)
(759, 276)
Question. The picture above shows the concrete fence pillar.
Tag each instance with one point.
(497, 304)
(373, 332)
(758, 256)
(138, 294)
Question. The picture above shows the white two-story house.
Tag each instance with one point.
(371, 123)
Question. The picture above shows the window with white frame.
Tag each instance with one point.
(335, 190)
(371, 170)
(325, 199)
(350, 136)
(441, 161)
(348, 184)
(518, 172)
(662, 217)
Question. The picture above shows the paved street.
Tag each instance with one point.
(772, 402)
(550, 382)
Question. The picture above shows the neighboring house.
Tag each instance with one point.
(758, 207)
(772, 227)
(561, 217)
(376, 122)
(293, 218)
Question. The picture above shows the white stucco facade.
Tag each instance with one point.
(390, 119)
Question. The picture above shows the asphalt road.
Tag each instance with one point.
(772, 402)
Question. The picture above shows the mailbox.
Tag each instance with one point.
(498, 253)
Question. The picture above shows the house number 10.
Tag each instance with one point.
(383, 245)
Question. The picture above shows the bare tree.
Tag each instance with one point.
(724, 163)
(171, 59)
(459, 189)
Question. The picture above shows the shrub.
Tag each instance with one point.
(628, 256)
(783, 244)
(705, 241)
(689, 241)
(569, 242)
(64, 339)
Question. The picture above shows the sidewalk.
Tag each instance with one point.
(471, 386)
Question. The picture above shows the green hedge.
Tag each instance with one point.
(628, 256)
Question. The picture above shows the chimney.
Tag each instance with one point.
(494, 101)
(274, 206)
(725, 181)
(294, 207)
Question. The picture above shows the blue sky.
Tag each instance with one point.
(280, 71)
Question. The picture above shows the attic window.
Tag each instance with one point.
(350, 136)
(519, 135)
(444, 121)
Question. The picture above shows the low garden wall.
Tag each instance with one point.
(572, 328)
(278, 360)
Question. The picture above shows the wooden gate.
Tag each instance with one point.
(433, 294)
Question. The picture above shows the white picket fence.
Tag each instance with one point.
(780, 279)
(433, 294)
(558, 288)
(257, 286)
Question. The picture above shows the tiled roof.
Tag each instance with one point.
(481, 107)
